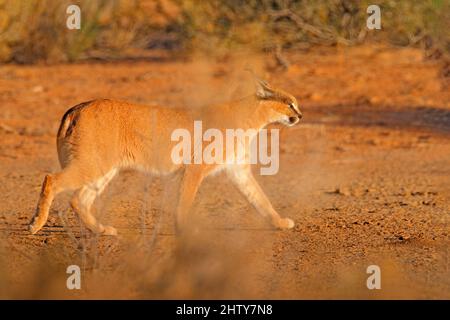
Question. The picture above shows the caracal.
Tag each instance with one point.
(99, 138)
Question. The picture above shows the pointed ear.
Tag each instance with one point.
(263, 90)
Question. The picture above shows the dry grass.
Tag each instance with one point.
(34, 30)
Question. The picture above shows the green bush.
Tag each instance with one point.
(266, 23)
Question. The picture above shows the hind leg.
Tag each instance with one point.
(83, 200)
(53, 184)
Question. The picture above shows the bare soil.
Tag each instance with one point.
(365, 176)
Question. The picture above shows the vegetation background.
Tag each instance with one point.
(35, 30)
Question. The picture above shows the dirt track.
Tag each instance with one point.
(366, 177)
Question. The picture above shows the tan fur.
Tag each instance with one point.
(98, 138)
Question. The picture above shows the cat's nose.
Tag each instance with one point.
(294, 120)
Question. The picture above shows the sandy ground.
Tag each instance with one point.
(366, 177)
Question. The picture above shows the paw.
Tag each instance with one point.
(110, 231)
(285, 223)
(34, 228)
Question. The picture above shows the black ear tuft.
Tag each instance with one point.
(263, 90)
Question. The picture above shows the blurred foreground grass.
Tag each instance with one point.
(35, 30)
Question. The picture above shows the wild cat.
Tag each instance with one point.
(97, 139)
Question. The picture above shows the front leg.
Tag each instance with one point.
(192, 178)
(249, 187)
